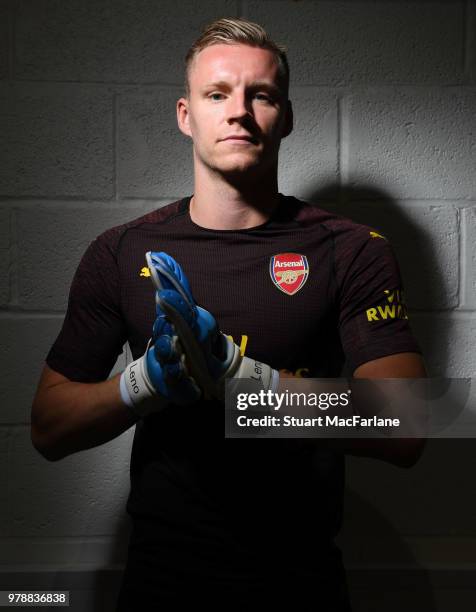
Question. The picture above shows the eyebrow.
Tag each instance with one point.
(253, 85)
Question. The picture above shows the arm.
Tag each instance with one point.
(403, 452)
(69, 416)
(212, 357)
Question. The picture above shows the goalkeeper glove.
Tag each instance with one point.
(211, 356)
(160, 376)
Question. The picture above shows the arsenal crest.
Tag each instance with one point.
(289, 271)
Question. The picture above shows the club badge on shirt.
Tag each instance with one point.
(289, 271)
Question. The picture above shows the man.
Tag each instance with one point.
(229, 522)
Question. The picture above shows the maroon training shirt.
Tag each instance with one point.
(207, 504)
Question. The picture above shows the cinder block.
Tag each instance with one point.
(25, 344)
(367, 42)
(414, 143)
(84, 494)
(431, 498)
(468, 257)
(110, 41)
(154, 157)
(425, 242)
(4, 257)
(447, 343)
(59, 141)
(4, 37)
(308, 156)
(51, 242)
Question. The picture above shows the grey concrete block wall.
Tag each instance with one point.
(315, 129)
(109, 41)
(39, 332)
(337, 43)
(82, 505)
(418, 142)
(43, 283)
(4, 40)
(147, 131)
(426, 239)
(384, 95)
(60, 141)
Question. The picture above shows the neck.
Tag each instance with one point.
(219, 203)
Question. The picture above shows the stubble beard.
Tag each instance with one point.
(238, 174)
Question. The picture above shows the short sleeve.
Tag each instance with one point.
(93, 331)
(373, 316)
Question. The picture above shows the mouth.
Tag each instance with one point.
(241, 140)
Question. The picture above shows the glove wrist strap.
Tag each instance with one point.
(255, 370)
(137, 391)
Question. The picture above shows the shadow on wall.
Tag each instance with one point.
(375, 587)
(382, 571)
(107, 583)
(417, 252)
(424, 286)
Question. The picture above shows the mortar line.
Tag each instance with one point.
(461, 245)
(455, 315)
(14, 292)
(150, 87)
(12, 314)
(5, 199)
(111, 204)
(114, 148)
(343, 140)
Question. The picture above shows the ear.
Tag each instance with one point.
(183, 117)
(288, 120)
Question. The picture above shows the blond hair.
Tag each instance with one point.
(233, 31)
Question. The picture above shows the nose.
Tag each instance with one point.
(238, 107)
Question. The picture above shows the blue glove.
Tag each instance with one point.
(211, 357)
(160, 376)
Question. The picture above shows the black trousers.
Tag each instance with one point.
(171, 575)
(140, 591)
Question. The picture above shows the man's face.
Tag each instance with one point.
(235, 91)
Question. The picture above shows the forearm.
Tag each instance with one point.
(70, 416)
(403, 452)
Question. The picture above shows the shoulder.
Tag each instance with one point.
(357, 248)
(308, 213)
(109, 241)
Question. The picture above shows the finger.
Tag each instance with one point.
(162, 326)
(167, 349)
(166, 273)
(175, 308)
(173, 373)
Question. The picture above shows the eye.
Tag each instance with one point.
(216, 93)
(264, 97)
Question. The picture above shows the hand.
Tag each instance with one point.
(160, 376)
(211, 357)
